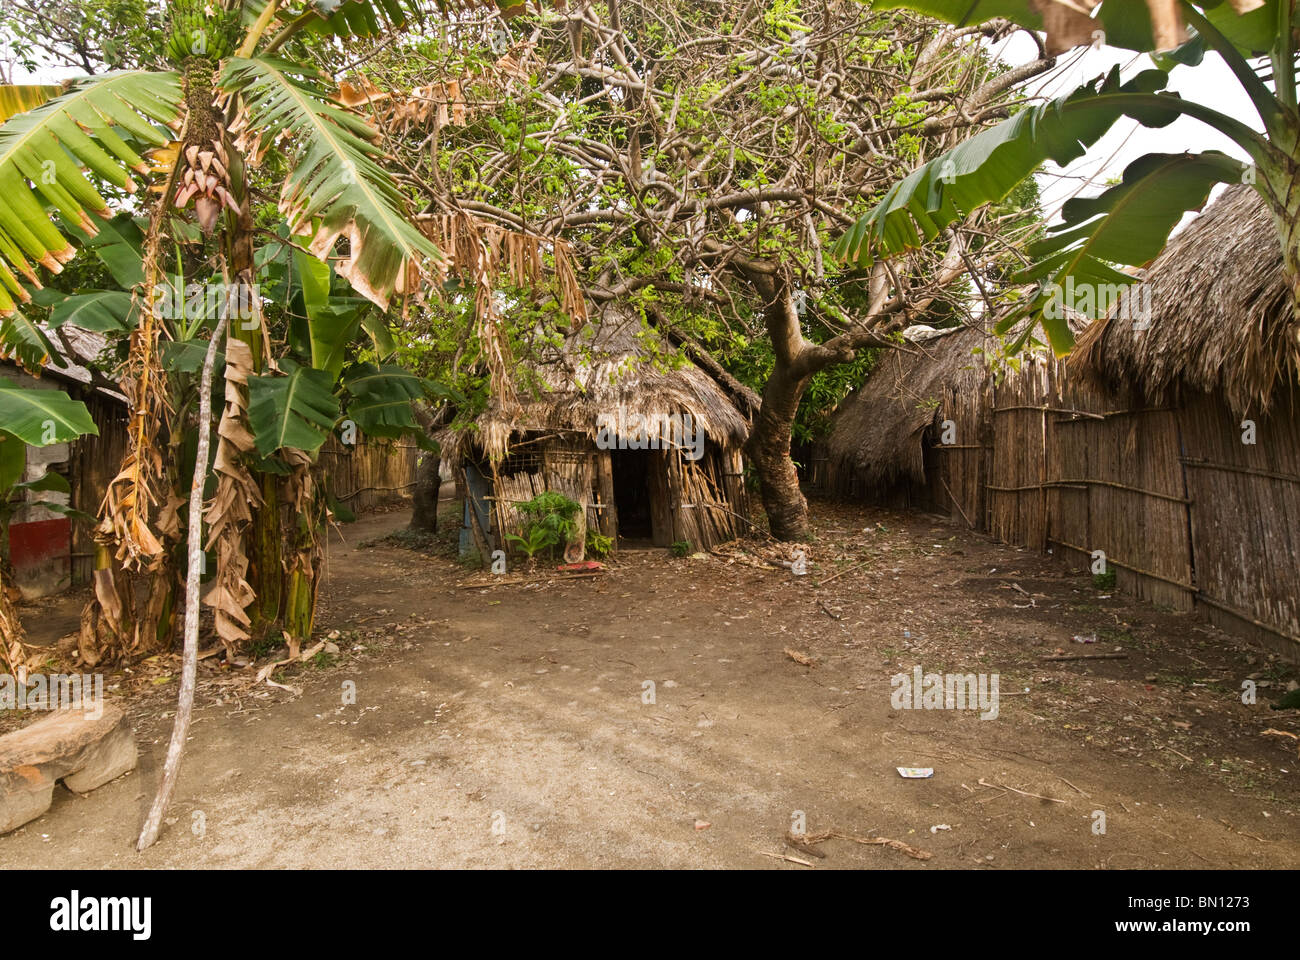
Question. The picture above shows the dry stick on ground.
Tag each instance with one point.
(842, 572)
(1088, 656)
(914, 852)
(194, 551)
(1072, 786)
(1002, 786)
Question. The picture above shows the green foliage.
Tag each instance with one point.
(298, 410)
(1104, 581)
(598, 545)
(550, 521)
(535, 538)
(1129, 223)
(681, 548)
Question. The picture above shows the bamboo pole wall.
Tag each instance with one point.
(1187, 514)
(372, 471)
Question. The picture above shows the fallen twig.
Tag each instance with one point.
(914, 852)
(1002, 786)
(787, 859)
(1088, 656)
(800, 658)
(842, 572)
(1073, 787)
(504, 581)
(1242, 833)
(1282, 733)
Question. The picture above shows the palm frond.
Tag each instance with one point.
(43, 151)
(335, 187)
(19, 98)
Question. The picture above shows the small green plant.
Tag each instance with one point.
(535, 538)
(1104, 581)
(681, 548)
(598, 545)
(550, 520)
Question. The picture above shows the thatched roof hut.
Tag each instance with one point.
(1221, 317)
(616, 420)
(617, 363)
(878, 434)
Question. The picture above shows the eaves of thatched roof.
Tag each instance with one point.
(1221, 318)
(878, 431)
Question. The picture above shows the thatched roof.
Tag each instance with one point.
(878, 431)
(1221, 317)
(615, 365)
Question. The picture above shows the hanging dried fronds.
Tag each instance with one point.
(572, 299)
(125, 526)
(14, 654)
(230, 510)
(435, 104)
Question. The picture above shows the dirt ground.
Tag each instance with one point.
(506, 726)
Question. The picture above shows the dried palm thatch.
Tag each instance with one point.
(1221, 317)
(878, 433)
(612, 366)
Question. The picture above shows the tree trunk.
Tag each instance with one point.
(769, 450)
(424, 513)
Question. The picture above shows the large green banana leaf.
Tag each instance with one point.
(1127, 224)
(19, 98)
(987, 167)
(334, 188)
(295, 409)
(42, 417)
(380, 399)
(96, 125)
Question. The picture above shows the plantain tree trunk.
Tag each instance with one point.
(303, 568)
(265, 555)
(14, 653)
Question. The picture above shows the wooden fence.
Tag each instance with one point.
(373, 471)
(1193, 508)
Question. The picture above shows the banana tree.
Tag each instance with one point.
(35, 418)
(1129, 223)
(244, 110)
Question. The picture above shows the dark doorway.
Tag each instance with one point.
(632, 493)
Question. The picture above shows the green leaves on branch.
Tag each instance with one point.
(334, 188)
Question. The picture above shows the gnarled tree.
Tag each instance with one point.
(700, 157)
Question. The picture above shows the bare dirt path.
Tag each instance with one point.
(506, 727)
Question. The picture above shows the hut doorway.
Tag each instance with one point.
(633, 497)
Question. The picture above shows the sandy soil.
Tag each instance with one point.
(506, 726)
